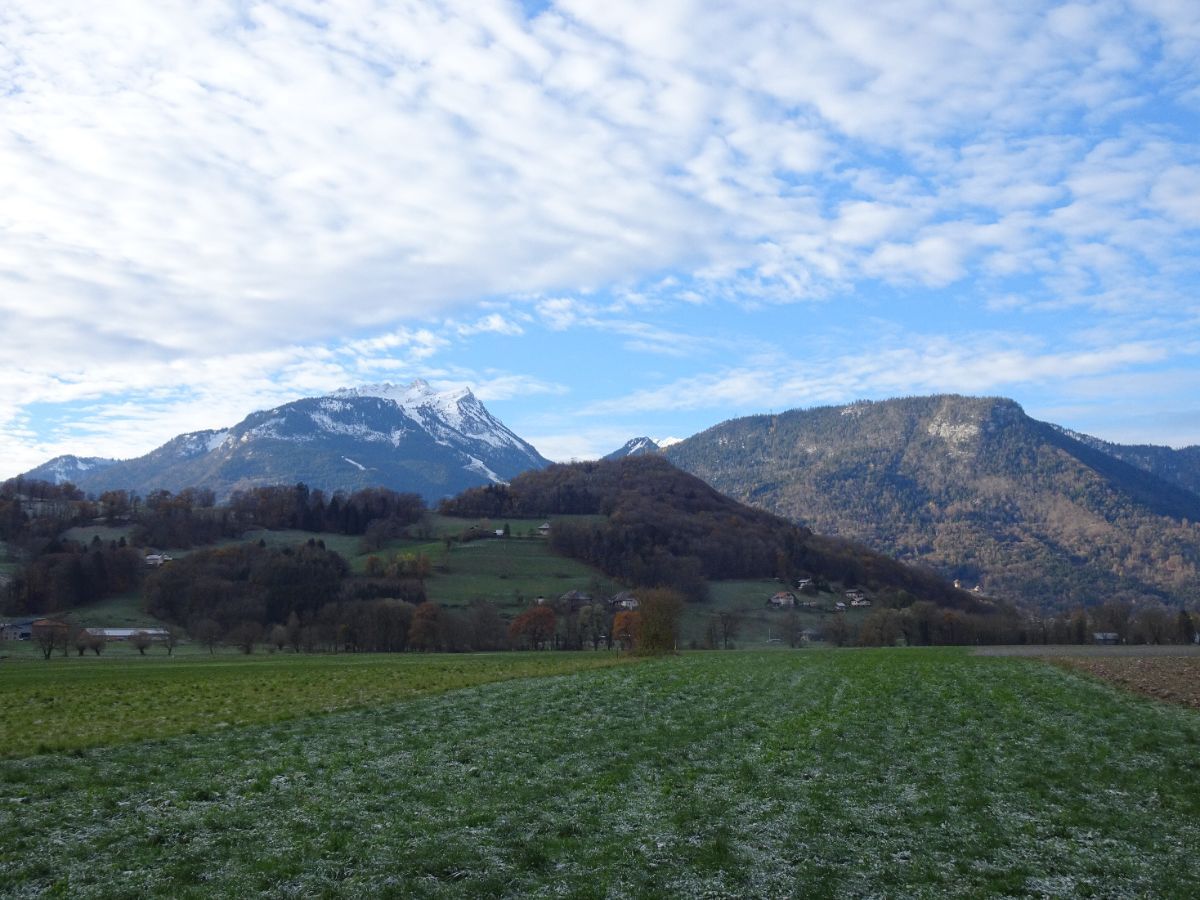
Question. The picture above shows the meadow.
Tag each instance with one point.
(902, 772)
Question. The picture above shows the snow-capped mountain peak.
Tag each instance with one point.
(636, 447)
(406, 437)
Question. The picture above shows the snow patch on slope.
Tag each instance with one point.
(477, 466)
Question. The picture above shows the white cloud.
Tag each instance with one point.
(973, 364)
(493, 323)
(286, 196)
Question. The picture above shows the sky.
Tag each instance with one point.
(608, 219)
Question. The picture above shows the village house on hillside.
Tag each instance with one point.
(575, 599)
(624, 600)
(782, 599)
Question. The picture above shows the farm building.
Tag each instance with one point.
(624, 600)
(782, 599)
(575, 599)
(124, 634)
(18, 629)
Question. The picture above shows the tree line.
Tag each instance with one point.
(55, 574)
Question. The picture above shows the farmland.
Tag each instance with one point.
(814, 773)
(68, 704)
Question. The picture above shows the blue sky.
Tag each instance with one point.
(609, 220)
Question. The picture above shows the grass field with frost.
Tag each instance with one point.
(64, 704)
(893, 773)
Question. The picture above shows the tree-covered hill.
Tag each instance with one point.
(970, 486)
(662, 526)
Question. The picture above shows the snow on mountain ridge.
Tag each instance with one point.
(460, 413)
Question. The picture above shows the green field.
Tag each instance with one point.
(885, 773)
(70, 703)
(510, 573)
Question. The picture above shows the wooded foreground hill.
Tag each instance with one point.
(656, 525)
(974, 488)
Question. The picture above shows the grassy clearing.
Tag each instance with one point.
(819, 774)
(106, 533)
(118, 611)
(348, 545)
(450, 525)
(511, 573)
(67, 704)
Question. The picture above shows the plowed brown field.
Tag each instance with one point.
(1171, 678)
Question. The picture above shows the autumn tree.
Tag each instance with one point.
(424, 633)
(882, 628)
(661, 610)
(207, 632)
(626, 627)
(49, 635)
(1185, 628)
(537, 624)
(838, 630)
(245, 636)
(82, 640)
(487, 628)
(141, 641)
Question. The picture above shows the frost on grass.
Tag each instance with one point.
(716, 775)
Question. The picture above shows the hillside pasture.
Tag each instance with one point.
(454, 526)
(347, 545)
(118, 611)
(85, 534)
(924, 773)
(511, 573)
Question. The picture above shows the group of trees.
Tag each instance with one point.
(246, 582)
(925, 623)
(66, 574)
(311, 509)
(56, 574)
(386, 625)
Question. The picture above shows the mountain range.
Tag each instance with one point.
(407, 437)
(974, 488)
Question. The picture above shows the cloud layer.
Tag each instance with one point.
(209, 205)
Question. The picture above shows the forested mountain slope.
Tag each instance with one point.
(970, 486)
